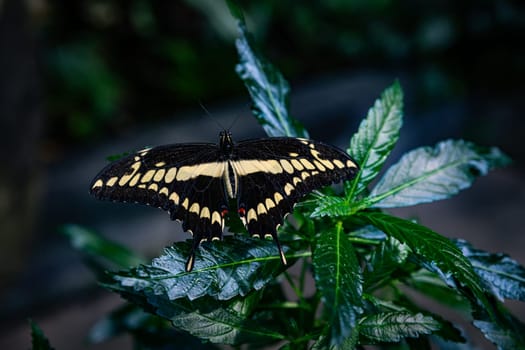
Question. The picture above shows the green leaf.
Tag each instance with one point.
(235, 10)
(148, 331)
(223, 270)
(333, 206)
(428, 174)
(268, 89)
(500, 274)
(377, 135)
(224, 324)
(385, 260)
(429, 284)
(431, 248)
(38, 339)
(338, 280)
(507, 333)
(504, 338)
(394, 326)
(322, 342)
(97, 247)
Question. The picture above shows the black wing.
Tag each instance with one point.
(184, 179)
(274, 173)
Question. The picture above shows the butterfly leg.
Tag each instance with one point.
(281, 252)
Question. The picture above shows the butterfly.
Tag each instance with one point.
(194, 182)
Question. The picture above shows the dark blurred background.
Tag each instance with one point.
(82, 80)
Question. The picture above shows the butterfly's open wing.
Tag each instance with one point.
(275, 173)
(184, 179)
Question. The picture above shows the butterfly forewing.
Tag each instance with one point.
(184, 179)
(193, 181)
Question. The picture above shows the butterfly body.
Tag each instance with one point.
(195, 181)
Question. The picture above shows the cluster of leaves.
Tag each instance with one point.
(360, 257)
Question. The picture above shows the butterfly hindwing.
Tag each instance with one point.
(275, 173)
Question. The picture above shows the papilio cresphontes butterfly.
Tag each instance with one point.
(195, 181)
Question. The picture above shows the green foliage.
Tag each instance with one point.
(428, 174)
(395, 326)
(338, 278)
(377, 135)
(359, 256)
(267, 87)
(498, 272)
(223, 270)
(38, 339)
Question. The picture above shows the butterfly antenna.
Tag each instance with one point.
(237, 117)
(211, 116)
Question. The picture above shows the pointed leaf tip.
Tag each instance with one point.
(268, 89)
(377, 135)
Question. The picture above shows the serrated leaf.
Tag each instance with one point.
(384, 261)
(428, 174)
(429, 284)
(148, 331)
(38, 339)
(223, 270)
(502, 275)
(504, 338)
(338, 280)
(430, 247)
(224, 322)
(268, 89)
(394, 326)
(97, 247)
(377, 135)
(333, 206)
(221, 322)
(507, 333)
(221, 325)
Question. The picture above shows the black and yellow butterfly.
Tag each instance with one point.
(195, 181)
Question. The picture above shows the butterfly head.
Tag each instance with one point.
(226, 142)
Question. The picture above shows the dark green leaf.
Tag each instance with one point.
(38, 340)
(147, 330)
(223, 270)
(326, 205)
(235, 10)
(338, 280)
(268, 89)
(394, 326)
(97, 247)
(507, 333)
(430, 247)
(385, 260)
(500, 274)
(224, 323)
(376, 137)
(429, 284)
(428, 174)
(323, 343)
